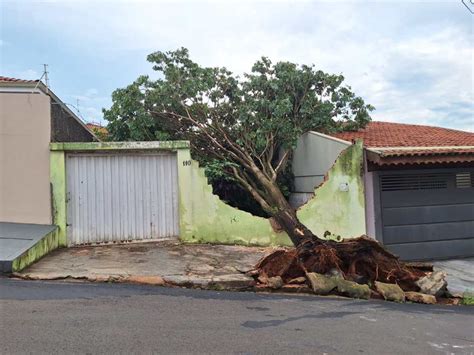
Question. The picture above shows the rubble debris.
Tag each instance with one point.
(419, 297)
(352, 289)
(320, 284)
(390, 292)
(433, 283)
(361, 259)
(297, 280)
(358, 268)
(275, 282)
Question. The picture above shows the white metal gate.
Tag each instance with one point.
(121, 197)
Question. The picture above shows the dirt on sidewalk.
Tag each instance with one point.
(166, 262)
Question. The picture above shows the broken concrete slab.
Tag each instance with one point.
(352, 289)
(275, 282)
(323, 285)
(320, 284)
(420, 297)
(433, 283)
(390, 292)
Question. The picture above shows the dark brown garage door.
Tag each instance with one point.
(428, 215)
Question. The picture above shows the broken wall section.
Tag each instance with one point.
(337, 207)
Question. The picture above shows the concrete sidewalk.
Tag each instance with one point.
(167, 262)
(192, 265)
(460, 274)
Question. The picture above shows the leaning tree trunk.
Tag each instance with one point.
(359, 259)
(297, 231)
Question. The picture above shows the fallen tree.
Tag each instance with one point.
(247, 128)
(362, 260)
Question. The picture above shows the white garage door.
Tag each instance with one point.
(121, 197)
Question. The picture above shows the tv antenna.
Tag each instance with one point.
(45, 75)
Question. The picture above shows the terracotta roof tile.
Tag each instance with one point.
(402, 137)
(5, 79)
(388, 134)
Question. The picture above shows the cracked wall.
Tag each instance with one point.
(337, 207)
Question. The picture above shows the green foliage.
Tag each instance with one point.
(129, 118)
(468, 299)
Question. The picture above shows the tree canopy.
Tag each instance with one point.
(231, 120)
(242, 126)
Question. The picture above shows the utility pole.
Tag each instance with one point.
(46, 79)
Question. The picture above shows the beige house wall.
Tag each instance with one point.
(25, 128)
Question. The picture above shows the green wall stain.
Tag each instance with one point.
(204, 218)
(58, 192)
(331, 209)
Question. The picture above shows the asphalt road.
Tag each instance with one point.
(58, 317)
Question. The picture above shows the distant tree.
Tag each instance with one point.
(99, 131)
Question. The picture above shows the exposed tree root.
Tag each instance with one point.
(361, 259)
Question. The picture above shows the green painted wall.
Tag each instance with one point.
(58, 193)
(43, 247)
(338, 205)
(206, 219)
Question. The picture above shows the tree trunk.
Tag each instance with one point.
(296, 230)
(281, 210)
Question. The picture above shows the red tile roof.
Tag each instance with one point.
(388, 134)
(413, 144)
(5, 79)
(96, 127)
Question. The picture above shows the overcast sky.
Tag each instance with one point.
(412, 60)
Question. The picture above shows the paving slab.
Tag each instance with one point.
(206, 266)
(460, 274)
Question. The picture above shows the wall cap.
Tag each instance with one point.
(88, 146)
